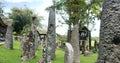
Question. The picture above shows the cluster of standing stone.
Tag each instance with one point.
(30, 42)
(109, 47)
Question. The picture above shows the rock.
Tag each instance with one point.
(51, 34)
(69, 52)
(87, 53)
(109, 46)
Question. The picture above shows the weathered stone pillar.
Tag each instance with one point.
(28, 46)
(51, 37)
(9, 37)
(109, 47)
(34, 30)
(69, 53)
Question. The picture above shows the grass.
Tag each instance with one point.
(88, 59)
(10, 56)
(13, 56)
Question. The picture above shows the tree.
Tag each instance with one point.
(22, 18)
(109, 47)
(76, 12)
(61, 38)
(90, 9)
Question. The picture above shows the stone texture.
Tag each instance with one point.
(28, 46)
(69, 53)
(87, 53)
(9, 37)
(109, 47)
(51, 37)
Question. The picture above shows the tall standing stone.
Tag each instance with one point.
(9, 37)
(34, 30)
(51, 37)
(109, 47)
(33, 37)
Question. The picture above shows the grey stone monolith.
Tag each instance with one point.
(69, 53)
(109, 46)
(51, 34)
(9, 37)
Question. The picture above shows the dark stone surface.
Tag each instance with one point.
(28, 46)
(3, 27)
(109, 47)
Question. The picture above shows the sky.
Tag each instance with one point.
(38, 6)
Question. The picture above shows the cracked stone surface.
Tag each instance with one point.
(109, 47)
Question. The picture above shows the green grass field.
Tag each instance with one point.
(13, 56)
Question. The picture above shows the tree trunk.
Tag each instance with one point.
(51, 37)
(9, 38)
(75, 43)
(109, 47)
(69, 34)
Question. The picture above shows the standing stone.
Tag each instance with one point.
(9, 37)
(28, 47)
(69, 53)
(35, 33)
(51, 37)
(109, 47)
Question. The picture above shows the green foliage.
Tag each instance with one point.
(22, 18)
(95, 7)
(95, 38)
(25, 29)
(61, 38)
(84, 11)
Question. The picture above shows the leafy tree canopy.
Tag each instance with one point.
(22, 19)
(84, 11)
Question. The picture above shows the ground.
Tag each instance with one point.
(13, 56)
